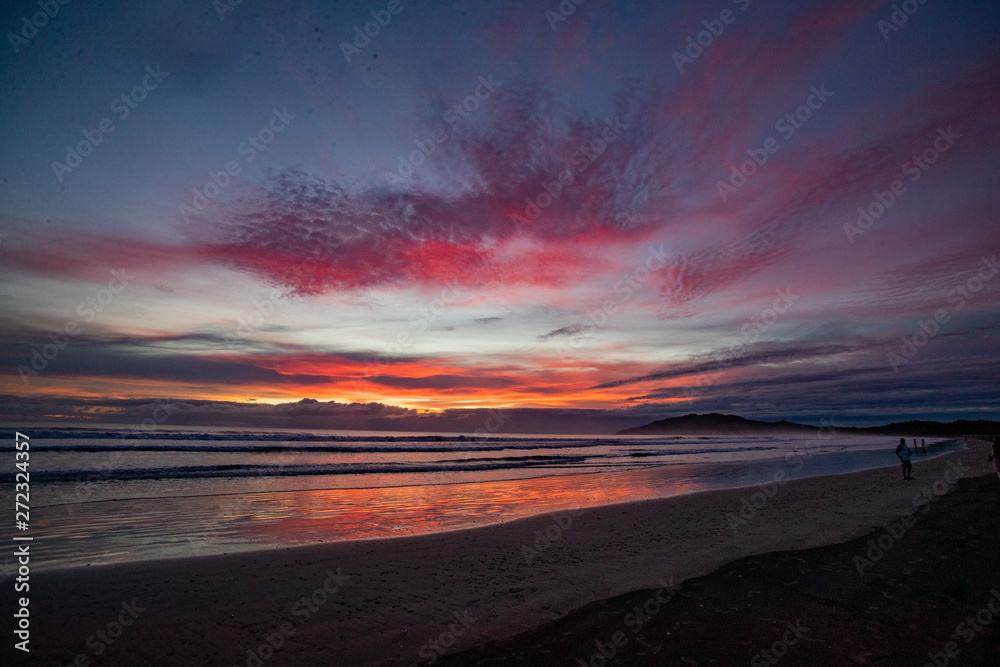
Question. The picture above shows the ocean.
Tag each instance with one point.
(111, 494)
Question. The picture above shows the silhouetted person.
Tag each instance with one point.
(923, 445)
(903, 452)
(995, 456)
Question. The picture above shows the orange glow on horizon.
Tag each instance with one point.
(570, 389)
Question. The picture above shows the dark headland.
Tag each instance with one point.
(719, 424)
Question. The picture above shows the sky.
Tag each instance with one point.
(406, 214)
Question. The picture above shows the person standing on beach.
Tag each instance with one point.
(995, 456)
(923, 445)
(903, 452)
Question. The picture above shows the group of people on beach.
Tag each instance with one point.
(903, 452)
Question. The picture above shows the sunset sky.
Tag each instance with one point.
(487, 206)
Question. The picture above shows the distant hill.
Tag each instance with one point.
(718, 424)
(715, 424)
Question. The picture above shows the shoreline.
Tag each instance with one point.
(274, 519)
(397, 595)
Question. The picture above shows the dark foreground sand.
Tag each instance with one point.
(906, 609)
(402, 601)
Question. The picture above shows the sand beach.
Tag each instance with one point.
(411, 600)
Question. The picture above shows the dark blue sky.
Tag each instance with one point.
(643, 209)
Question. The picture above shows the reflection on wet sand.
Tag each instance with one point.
(112, 531)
